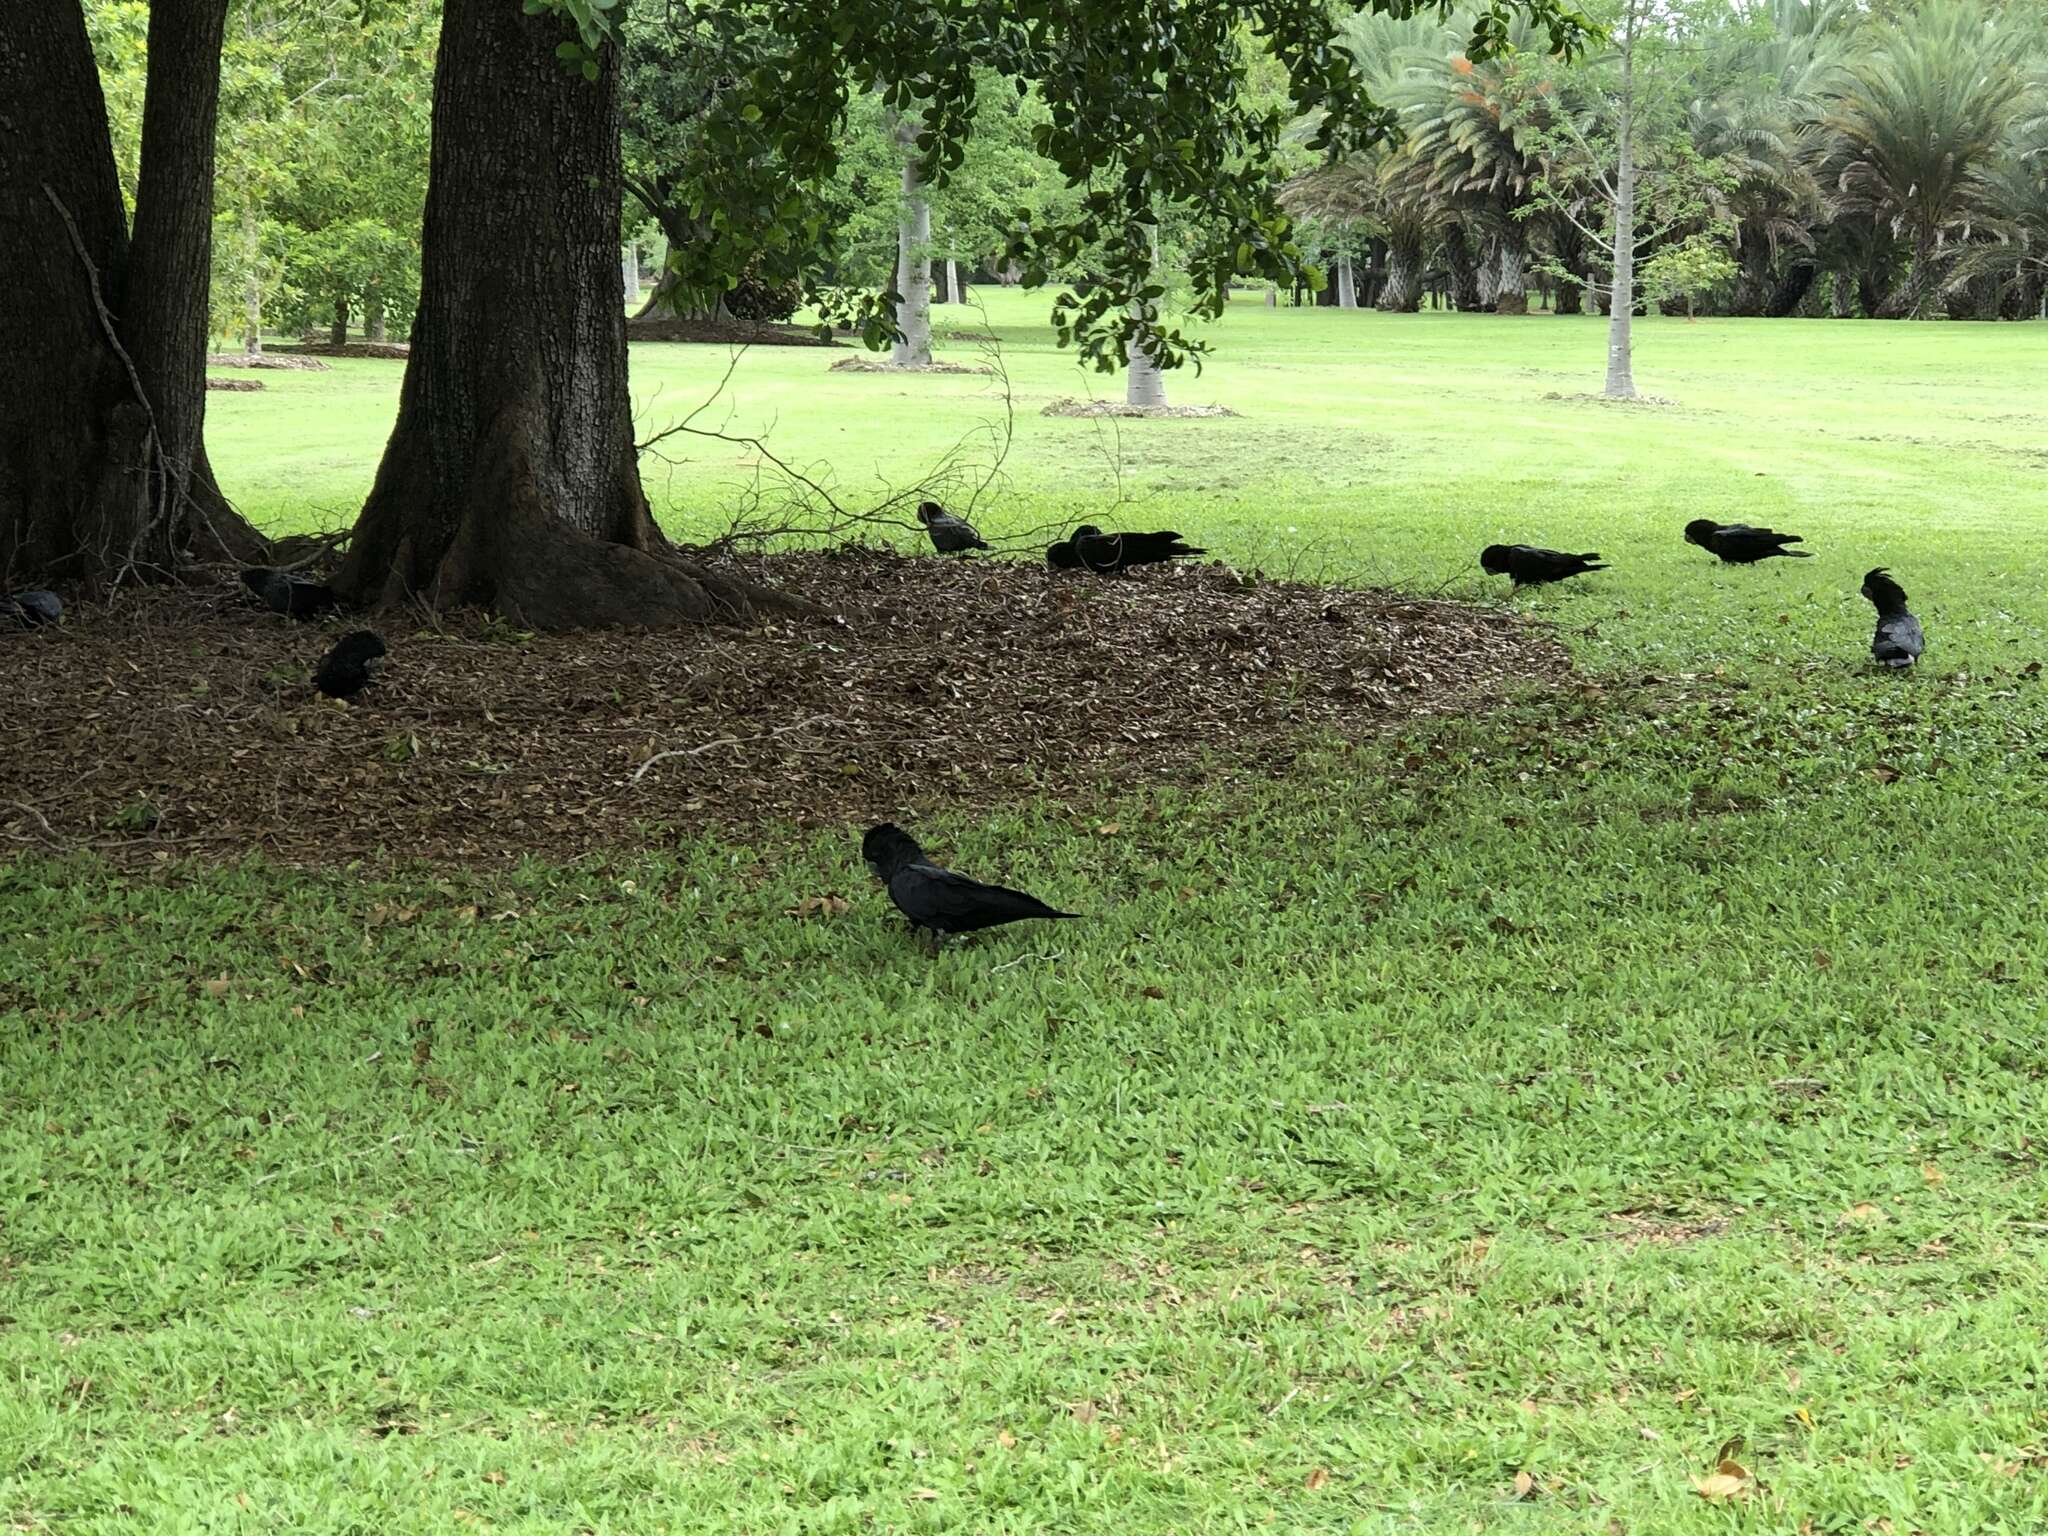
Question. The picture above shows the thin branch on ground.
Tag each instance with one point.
(732, 741)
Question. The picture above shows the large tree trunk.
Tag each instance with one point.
(103, 472)
(1487, 279)
(373, 317)
(1912, 288)
(1402, 292)
(913, 348)
(337, 330)
(1512, 296)
(510, 480)
(1790, 291)
(1347, 285)
(1463, 268)
(1753, 274)
(629, 272)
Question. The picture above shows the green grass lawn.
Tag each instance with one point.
(1472, 1132)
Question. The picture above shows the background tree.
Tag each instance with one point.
(1685, 270)
(1920, 123)
(510, 479)
(103, 470)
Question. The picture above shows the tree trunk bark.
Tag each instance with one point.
(1753, 275)
(629, 272)
(1512, 296)
(510, 480)
(1144, 384)
(337, 332)
(1911, 290)
(1621, 298)
(952, 281)
(252, 283)
(373, 319)
(1487, 277)
(1791, 290)
(103, 470)
(1401, 294)
(1463, 269)
(1347, 284)
(913, 349)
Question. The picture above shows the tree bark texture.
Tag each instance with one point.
(337, 331)
(1621, 298)
(1512, 295)
(510, 480)
(103, 472)
(1401, 294)
(913, 349)
(252, 283)
(1789, 293)
(1464, 269)
(1347, 285)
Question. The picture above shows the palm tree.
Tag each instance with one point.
(1919, 121)
(1762, 119)
(1464, 123)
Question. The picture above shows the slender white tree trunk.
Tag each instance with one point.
(952, 281)
(913, 261)
(1145, 384)
(629, 270)
(1347, 282)
(252, 284)
(1621, 297)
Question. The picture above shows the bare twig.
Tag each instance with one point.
(731, 741)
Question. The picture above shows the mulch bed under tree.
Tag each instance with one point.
(1067, 405)
(278, 362)
(174, 722)
(864, 364)
(738, 333)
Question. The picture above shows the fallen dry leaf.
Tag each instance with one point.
(1720, 1487)
(1885, 773)
(1862, 1214)
(819, 906)
(1317, 1479)
(1932, 1174)
(1525, 1485)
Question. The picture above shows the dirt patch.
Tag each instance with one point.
(735, 333)
(235, 386)
(390, 351)
(1635, 1228)
(946, 335)
(285, 362)
(1583, 398)
(882, 365)
(174, 722)
(1068, 406)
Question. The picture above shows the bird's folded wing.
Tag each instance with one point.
(938, 898)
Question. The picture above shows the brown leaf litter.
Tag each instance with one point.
(173, 722)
